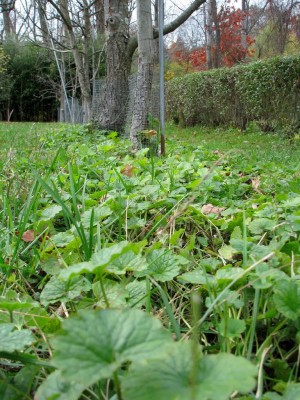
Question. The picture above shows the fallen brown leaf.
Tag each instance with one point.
(28, 236)
(255, 183)
(210, 209)
(128, 170)
(150, 133)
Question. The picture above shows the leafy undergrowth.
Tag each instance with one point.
(126, 276)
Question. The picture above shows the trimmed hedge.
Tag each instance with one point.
(264, 91)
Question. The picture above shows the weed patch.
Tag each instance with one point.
(127, 276)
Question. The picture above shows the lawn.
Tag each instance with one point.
(128, 276)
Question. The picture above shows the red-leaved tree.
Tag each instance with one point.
(232, 47)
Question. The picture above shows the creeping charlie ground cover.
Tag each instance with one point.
(128, 276)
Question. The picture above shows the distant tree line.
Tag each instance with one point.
(56, 49)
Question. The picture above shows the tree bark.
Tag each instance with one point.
(209, 35)
(100, 18)
(81, 62)
(145, 69)
(119, 53)
(6, 7)
(245, 23)
(118, 65)
(41, 6)
(217, 41)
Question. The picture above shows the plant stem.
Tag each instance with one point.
(253, 323)
(117, 386)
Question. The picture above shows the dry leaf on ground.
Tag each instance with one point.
(210, 209)
(128, 170)
(28, 236)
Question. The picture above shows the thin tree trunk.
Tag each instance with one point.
(145, 69)
(245, 22)
(217, 41)
(155, 41)
(41, 5)
(82, 63)
(6, 7)
(209, 35)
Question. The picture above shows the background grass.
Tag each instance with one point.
(252, 144)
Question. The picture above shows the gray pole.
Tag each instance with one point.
(161, 79)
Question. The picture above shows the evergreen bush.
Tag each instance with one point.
(267, 92)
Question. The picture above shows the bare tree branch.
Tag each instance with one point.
(133, 43)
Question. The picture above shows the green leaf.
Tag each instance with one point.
(227, 252)
(115, 293)
(292, 392)
(231, 327)
(14, 301)
(175, 237)
(229, 274)
(102, 341)
(128, 261)
(271, 396)
(23, 383)
(291, 247)
(293, 202)
(50, 212)
(58, 290)
(100, 212)
(287, 298)
(12, 339)
(55, 387)
(98, 260)
(265, 277)
(198, 277)
(178, 375)
(62, 239)
(136, 293)
(162, 266)
(260, 225)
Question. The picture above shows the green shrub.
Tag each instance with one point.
(264, 91)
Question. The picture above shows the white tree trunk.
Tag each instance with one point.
(145, 69)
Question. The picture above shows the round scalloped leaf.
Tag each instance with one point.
(231, 328)
(287, 298)
(260, 225)
(162, 266)
(12, 339)
(98, 260)
(100, 342)
(179, 376)
(292, 392)
(57, 290)
(56, 387)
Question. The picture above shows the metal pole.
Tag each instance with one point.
(161, 79)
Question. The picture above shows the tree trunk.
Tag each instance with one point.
(100, 18)
(118, 63)
(119, 53)
(217, 41)
(245, 23)
(145, 69)
(155, 41)
(209, 35)
(41, 5)
(6, 7)
(81, 62)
